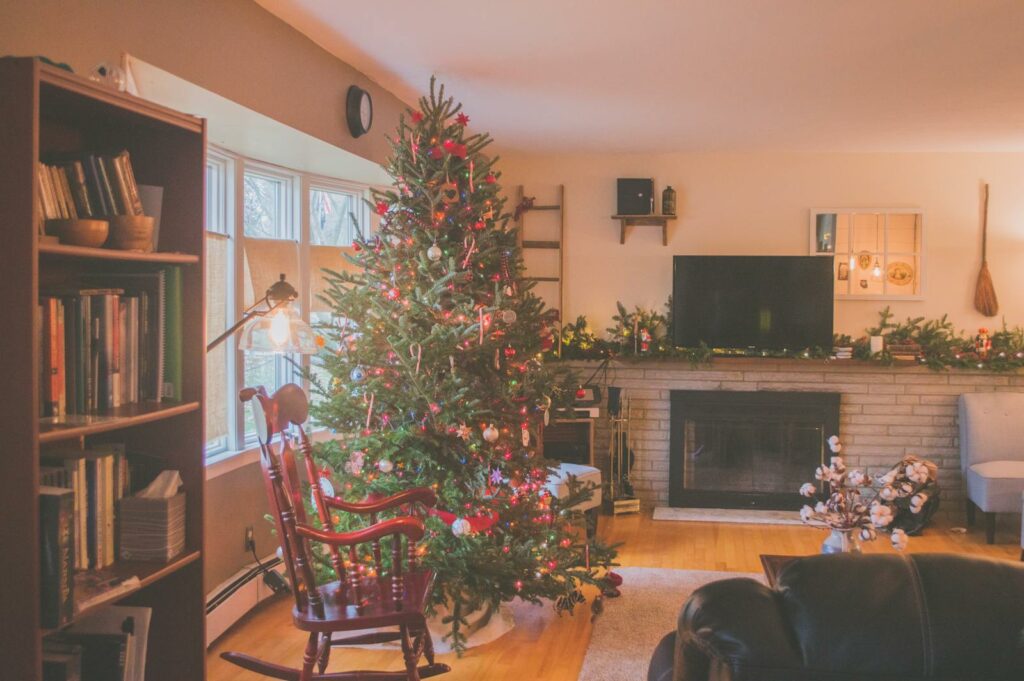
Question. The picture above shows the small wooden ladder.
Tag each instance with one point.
(533, 244)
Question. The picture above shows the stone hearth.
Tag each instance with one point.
(885, 412)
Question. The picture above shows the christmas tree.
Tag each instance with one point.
(435, 359)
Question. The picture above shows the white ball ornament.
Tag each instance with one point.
(491, 433)
(385, 466)
(434, 253)
(460, 527)
(508, 316)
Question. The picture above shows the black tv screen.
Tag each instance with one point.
(761, 302)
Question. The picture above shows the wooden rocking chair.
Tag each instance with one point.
(367, 594)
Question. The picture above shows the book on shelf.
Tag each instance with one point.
(108, 346)
(92, 186)
(56, 556)
(97, 479)
(111, 643)
(62, 661)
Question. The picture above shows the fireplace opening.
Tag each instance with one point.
(734, 449)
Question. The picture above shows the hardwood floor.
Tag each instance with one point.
(545, 646)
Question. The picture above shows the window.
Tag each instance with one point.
(279, 222)
(219, 286)
(878, 253)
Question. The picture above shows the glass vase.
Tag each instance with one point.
(841, 541)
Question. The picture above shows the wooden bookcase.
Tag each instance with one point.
(45, 111)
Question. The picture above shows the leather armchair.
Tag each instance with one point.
(991, 454)
(849, 617)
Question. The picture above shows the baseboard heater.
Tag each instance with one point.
(235, 597)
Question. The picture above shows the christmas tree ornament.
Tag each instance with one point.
(508, 316)
(464, 431)
(357, 375)
(510, 351)
(462, 119)
(434, 252)
(471, 190)
(525, 435)
(490, 178)
(369, 409)
(449, 192)
(385, 466)
(491, 433)
(461, 527)
(382, 207)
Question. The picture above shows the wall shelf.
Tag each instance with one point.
(634, 220)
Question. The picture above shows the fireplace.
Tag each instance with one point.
(734, 449)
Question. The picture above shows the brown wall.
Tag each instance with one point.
(232, 47)
(240, 51)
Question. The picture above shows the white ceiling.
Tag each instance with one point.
(689, 75)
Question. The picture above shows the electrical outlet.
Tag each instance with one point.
(250, 539)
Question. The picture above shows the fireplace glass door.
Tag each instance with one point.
(741, 449)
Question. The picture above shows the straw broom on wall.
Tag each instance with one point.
(985, 300)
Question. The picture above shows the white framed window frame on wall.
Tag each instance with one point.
(874, 260)
(260, 219)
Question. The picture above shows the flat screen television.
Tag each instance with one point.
(760, 302)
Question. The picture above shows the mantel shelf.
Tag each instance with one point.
(633, 220)
(65, 251)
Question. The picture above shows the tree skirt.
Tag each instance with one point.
(625, 635)
(484, 626)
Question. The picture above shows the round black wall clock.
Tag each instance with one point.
(358, 111)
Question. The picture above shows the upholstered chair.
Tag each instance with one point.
(992, 454)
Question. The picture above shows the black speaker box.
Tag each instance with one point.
(635, 195)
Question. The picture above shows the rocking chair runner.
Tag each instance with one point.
(365, 595)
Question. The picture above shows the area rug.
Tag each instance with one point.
(626, 633)
(727, 515)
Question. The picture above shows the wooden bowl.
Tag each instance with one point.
(131, 233)
(80, 232)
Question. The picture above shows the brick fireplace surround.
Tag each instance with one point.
(885, 412)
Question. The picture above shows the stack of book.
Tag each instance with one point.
(91, 187)
(843, 352)
(109, 644)
(104, 347)
(79, 519)
(97, 479)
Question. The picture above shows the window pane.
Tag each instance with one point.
(263, 199)
(217, 274)
(331, 217)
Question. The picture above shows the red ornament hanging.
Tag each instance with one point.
(436, 153)
(416, 117)
(382, 207)
(462, 119)
(490, 178)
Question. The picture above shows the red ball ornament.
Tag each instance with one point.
(436, 153)
(448, 145)
(416, 117)
(392, 293)
(581, 393)
(510, 351)
(356, 246)
(479, 225)
(490, 178)
(382, 207)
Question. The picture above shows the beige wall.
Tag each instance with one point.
(238, 50)
(232, 47)
(758, 203)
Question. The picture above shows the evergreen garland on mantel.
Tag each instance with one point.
(935, 343)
